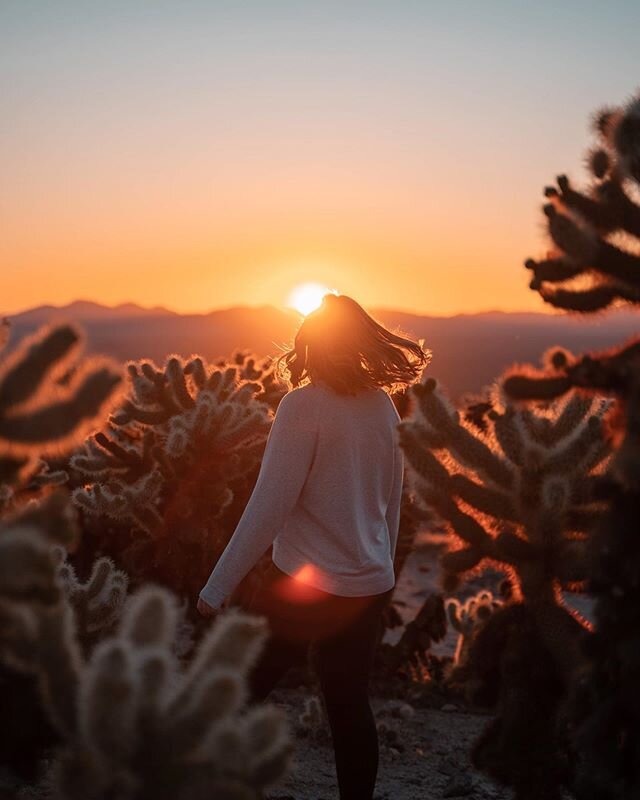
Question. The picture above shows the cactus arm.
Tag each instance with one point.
(467, 448)
(25, 371)
(483, 498)
(57, 421)
(608, 210)
(551, 270)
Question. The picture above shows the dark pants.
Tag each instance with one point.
(344, 632)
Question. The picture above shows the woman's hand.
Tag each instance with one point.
(208, 611)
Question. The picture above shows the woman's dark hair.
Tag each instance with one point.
(341, 345)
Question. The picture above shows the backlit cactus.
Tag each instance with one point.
(468, 617)
(97, 602)
(39, 414)
(409, 655)
(174, 468)
(518, 495)
(597, 237)
(263, 371)
(516, 491)
(36, 633)
(152, 729)
(48, 403)
(129, 715)
(588, 229)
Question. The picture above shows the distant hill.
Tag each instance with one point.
(468, 350)
(81, 310)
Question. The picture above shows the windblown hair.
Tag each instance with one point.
(341, 345)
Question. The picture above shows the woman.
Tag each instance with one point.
(328, 498)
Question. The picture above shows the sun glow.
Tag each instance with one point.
(308, 296)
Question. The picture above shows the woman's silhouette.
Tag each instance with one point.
(328, 498)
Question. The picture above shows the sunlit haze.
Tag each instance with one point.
(200, 155)
(307, 297)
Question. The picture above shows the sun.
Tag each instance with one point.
(308, 296)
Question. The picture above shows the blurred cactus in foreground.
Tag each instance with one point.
(126, 716)
(592, 264)
(97, 602)
(129, 717)
(48, 403)
(597, 235)
(515, 492)
(168, 478)
(42, 415)
(149, 729)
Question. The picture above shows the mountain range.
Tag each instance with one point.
(469, 350)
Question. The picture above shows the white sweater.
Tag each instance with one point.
(327, 496)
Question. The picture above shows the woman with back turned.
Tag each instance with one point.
(328, 498)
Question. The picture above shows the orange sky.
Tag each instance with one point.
(204, 156)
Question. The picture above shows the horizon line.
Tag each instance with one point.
(165, 309)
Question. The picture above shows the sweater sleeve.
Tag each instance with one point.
(285, 465)
(395, 500)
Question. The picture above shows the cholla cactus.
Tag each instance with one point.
(97, 602)
(262, 371)
(40, 415)
(597, 237)
(129, 715)
(409, 655)
(174, 468)
(586, 228)
(145, 727)
(467, 618)
(35, 628)
(47, 404)
(517, 492)
(518, 495)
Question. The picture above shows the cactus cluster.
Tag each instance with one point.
(97, 680)
(260, 370)
(409, 656)
(518, 495)
(128, 716)
(146, 728)
(174, 467)
(49, 401)
(596, 234)
(516, 488)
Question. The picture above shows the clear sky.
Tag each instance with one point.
(202, 154)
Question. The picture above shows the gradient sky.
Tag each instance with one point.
(206, 154)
